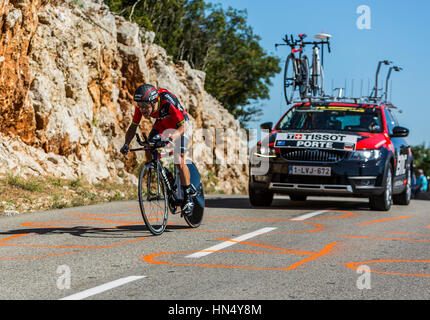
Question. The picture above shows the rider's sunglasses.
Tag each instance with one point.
(145, 105)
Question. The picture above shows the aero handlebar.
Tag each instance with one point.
(294, 43)
(146, 145)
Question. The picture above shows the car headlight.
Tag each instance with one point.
(265, 152)
(366, 155)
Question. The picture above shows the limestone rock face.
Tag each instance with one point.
(68, 72)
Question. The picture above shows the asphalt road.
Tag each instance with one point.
(324, 249)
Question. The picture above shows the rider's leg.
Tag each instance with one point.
(182, 167)
(184, 173)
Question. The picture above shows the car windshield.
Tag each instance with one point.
(333, 118)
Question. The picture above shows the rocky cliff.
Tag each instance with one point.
(68, 70)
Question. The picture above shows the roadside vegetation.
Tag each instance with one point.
(421, 154)
(18, 195)
(35, 194)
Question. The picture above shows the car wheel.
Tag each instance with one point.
(260, 198)
(384, 201)
(405, 197)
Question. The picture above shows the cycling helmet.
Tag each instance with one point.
(145, 93)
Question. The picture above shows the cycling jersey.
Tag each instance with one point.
(171, 114)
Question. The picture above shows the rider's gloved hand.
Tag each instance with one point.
(162, 144)
(125, 149)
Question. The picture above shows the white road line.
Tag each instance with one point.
(226, 244)
(104, 287)
(309, 215)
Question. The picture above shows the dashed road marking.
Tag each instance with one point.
(309, 215)
(102, 288)
(226, 244)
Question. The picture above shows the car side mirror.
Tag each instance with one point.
(266, 126)
(400, 132)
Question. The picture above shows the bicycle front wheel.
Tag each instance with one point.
(153, 199)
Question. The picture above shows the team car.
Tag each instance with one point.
(333, 149)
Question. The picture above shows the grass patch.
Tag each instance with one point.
(47, 193)
(57, 204)
(29, 185)
(116, 197)
(55, 182)
(76, 183)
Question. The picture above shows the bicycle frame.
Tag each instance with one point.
(317, 71)
(174, 199)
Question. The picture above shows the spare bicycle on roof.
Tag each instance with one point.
(296, 73)
(308, 79)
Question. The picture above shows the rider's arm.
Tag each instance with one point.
(179, 132)
(131, 131)
(177, 119)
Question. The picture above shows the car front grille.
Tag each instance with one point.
(309, 155)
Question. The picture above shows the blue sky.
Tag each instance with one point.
(399, 32)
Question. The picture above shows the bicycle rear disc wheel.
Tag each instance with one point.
(290, 78)
(196, 217)
(153, 199)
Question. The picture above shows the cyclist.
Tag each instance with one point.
(172, 123)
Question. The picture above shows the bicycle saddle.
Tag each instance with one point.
(323, 36)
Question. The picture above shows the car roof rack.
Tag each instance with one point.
(373, 99)
(355, 100)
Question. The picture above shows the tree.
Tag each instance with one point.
(421, 155)
(239, 73)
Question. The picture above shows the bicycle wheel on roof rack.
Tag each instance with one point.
(303, 77)
(290, 78)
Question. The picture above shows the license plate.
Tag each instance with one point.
(310, 171)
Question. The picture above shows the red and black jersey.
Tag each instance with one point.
(171, 114)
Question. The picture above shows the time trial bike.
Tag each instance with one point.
(160, 191)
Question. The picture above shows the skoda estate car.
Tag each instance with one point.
(333, 149)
